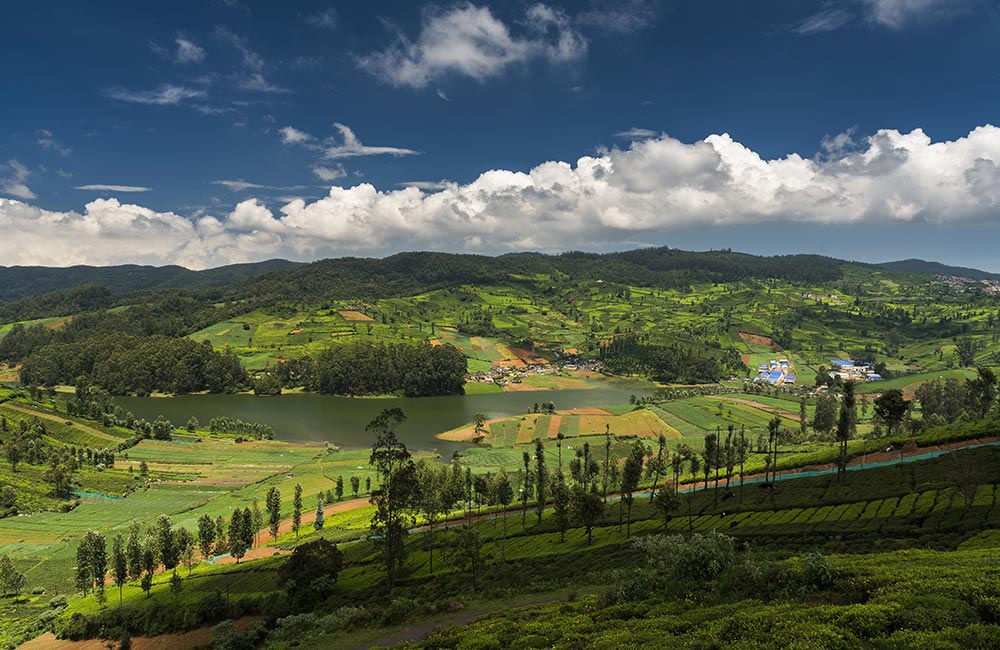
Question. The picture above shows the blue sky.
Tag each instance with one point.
(205, 133)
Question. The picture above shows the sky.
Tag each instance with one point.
(211, 132)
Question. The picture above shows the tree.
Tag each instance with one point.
(59, 476)
(237, 544)
(84, 551)
(398, 491)
(588, 506)
(186, 547)
(256, 521)
(561, 497)
(368, 484)
(119, 565)
(355, 486)
(478, 420)
(13, 452)
(658, 463)
(802, 416)
(666, 502)
(148, 566)
(982, 392)
(890, 409)
(773, 429)
(965, 348)
(559, 440)
(12, 581)
(631, 474)
(206, 535)
(825, 415)
(505, 494)
(709, 454)
(339, 488)
(166, 543)
(310, 574)
(320, 519)
(95, 559)
(467, 553)
(525, 490)
(133, 550)
(273, 504)
(297, 510)
(540, 476)
(845, 427)
(607, 463)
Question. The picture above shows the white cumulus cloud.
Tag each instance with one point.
(470, 41)
(12, 180)
(620, 195)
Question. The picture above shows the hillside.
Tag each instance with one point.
(17, 282)
(936, 268)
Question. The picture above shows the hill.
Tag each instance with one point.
(936, 268)
(17, 282)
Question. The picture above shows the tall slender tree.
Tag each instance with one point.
(398, 491)
(273, 504)
(561, 499)
(631, 474)
(540, 475)
(206, 536)
(846, 426)
(297, 510)
(505, 494)
(607, 461)
(658, 465)
(119, 565)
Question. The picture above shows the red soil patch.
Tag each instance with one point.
(295, 332)
(527, 357)
(554, 425)
(435, 342)
(510, 363)
(354, 315)
(59, 323)
(757, 339)
(745, 358)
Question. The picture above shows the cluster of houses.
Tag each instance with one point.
(502, 374)
(777, 372)
(832, 298)
(960, 285)
(854, 370)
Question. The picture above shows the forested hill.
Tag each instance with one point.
(17, 282)
(936, 268)
(412, 273)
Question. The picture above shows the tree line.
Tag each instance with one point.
(127, 364)
(365, 368)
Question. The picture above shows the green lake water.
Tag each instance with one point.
(342, 420)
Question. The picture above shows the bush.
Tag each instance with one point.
(698, 558)
(817, 572)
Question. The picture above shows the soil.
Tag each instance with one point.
(757, 339)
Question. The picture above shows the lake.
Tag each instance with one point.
(341, 420)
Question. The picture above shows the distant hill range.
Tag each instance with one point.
(936, 268)
(17, 282)
(47, 288)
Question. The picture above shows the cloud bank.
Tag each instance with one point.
(619, 195)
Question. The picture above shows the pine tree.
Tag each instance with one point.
(320, 519)
(119, 565)
(273, 505)
(297, 510)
